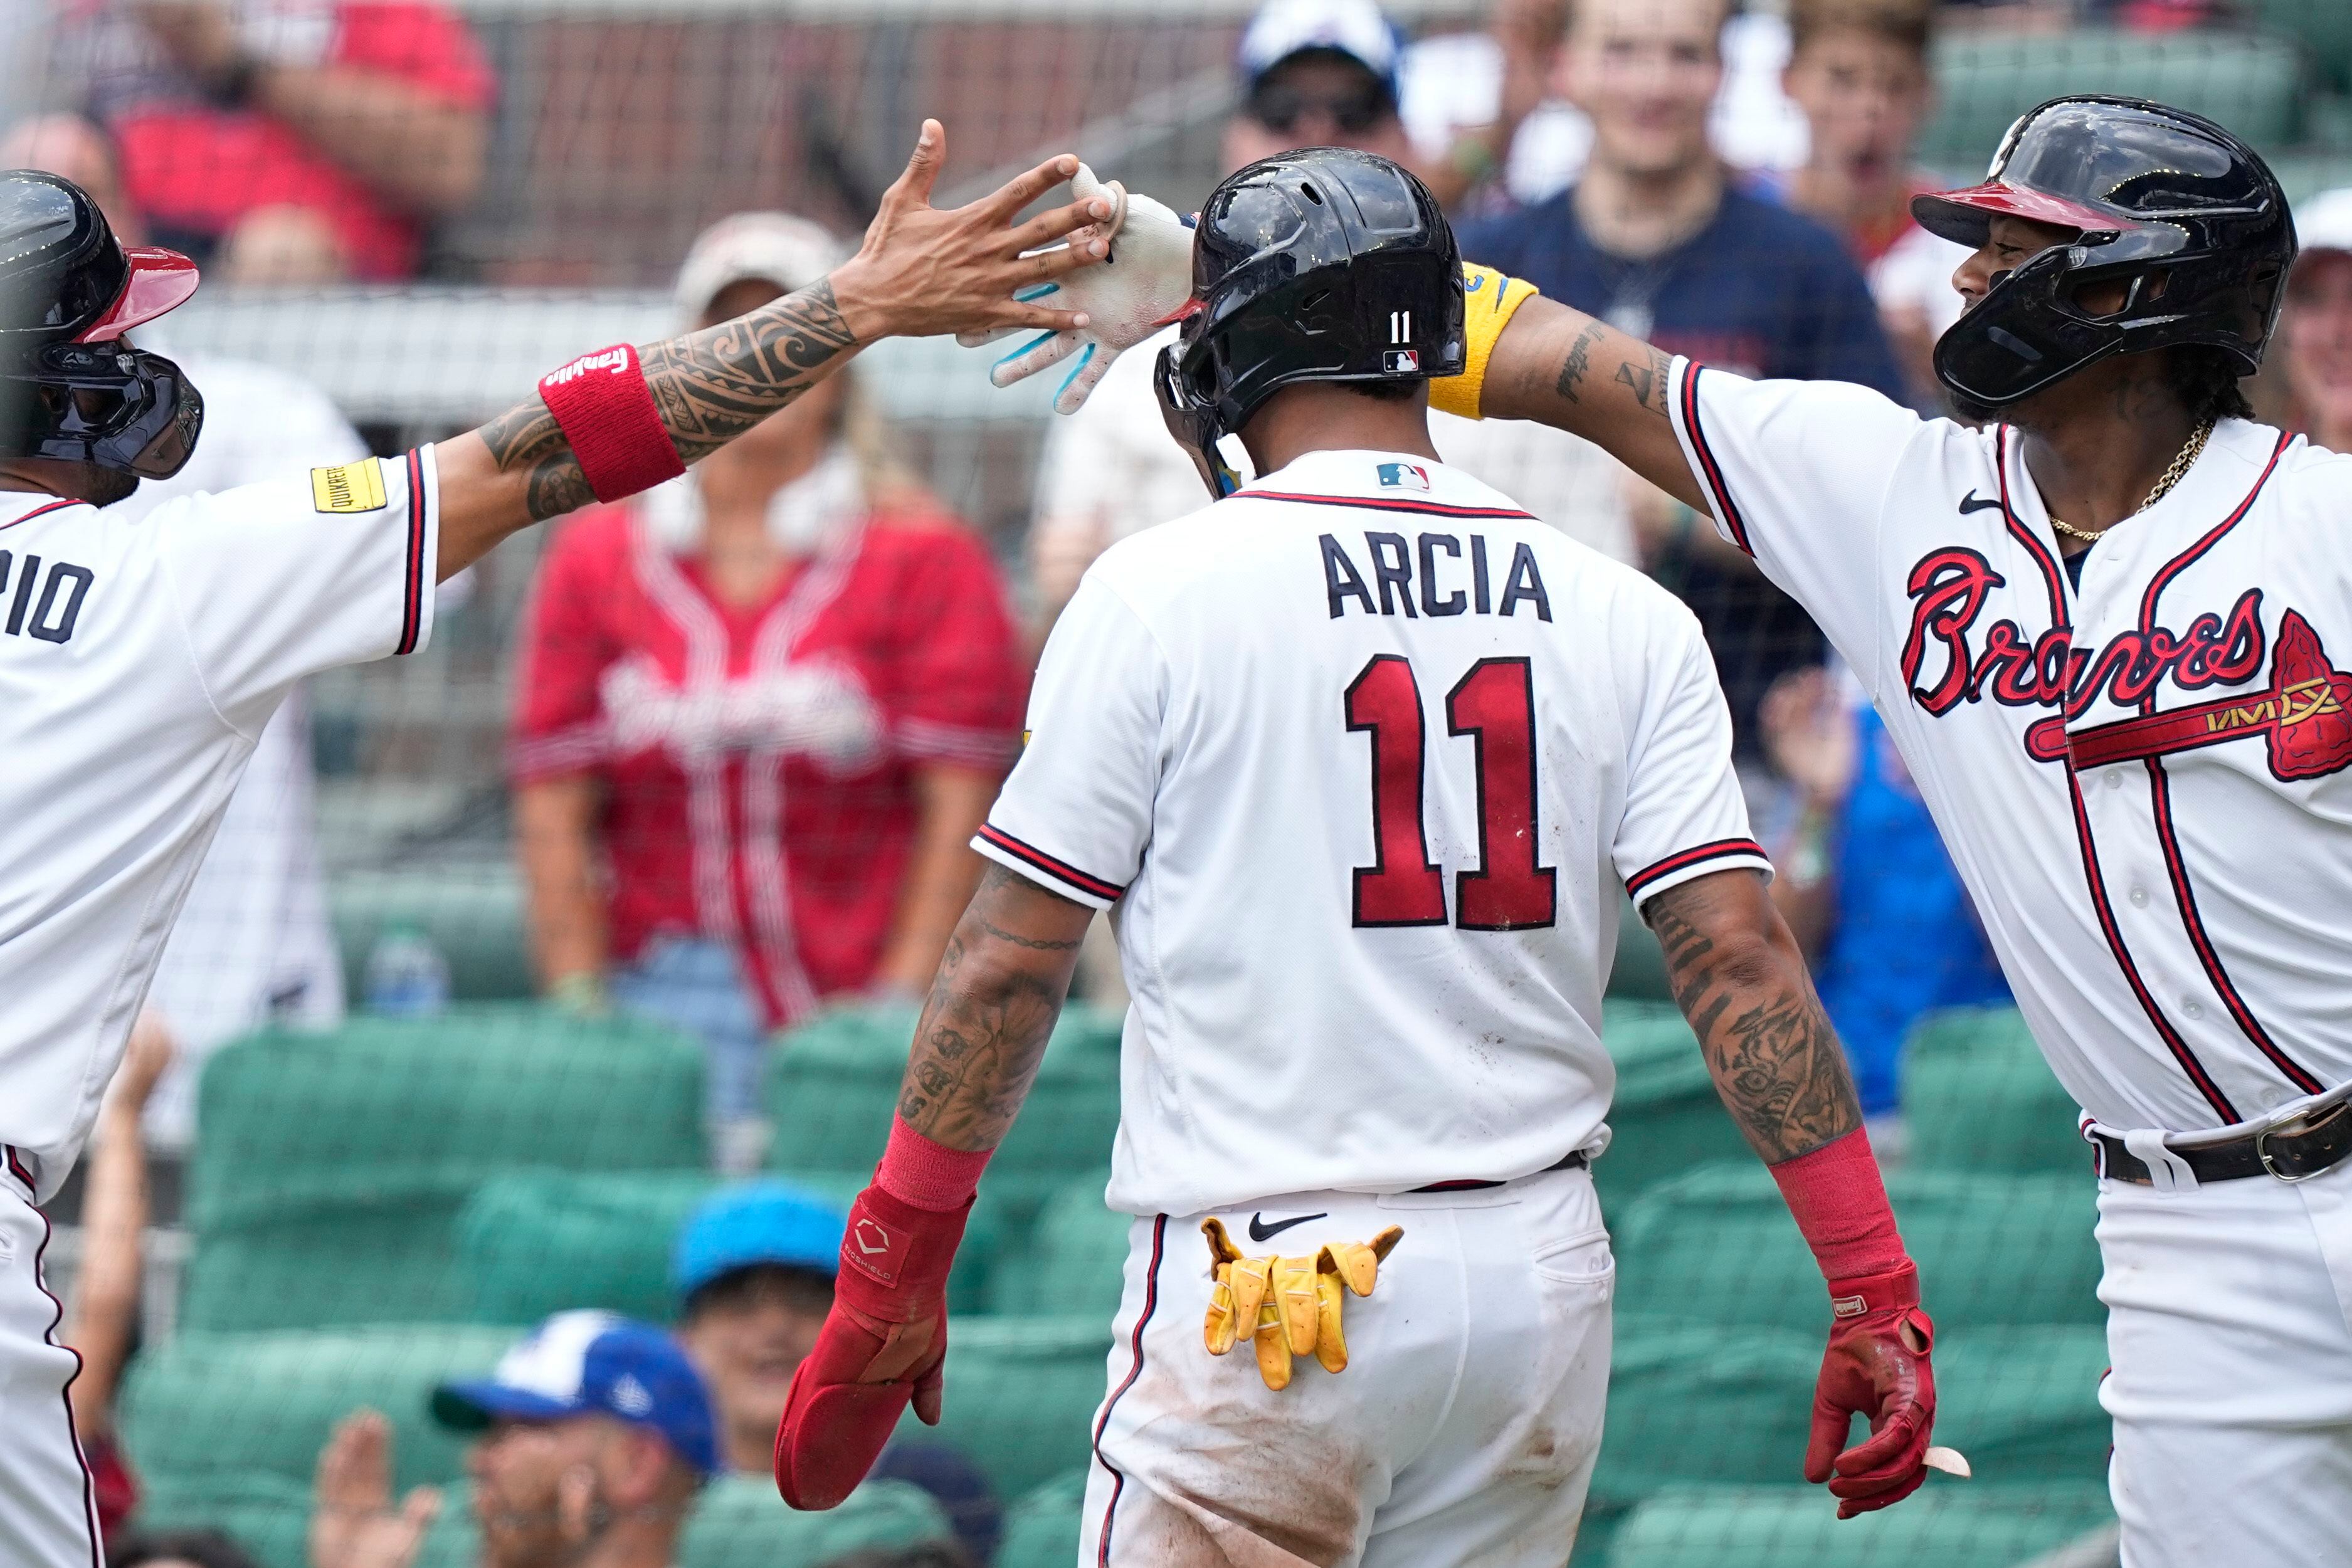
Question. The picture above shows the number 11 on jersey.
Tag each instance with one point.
(1494, 705)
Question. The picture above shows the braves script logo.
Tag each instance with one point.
(613, 359)
(2302, 713)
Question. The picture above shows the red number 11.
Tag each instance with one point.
(1495, 704)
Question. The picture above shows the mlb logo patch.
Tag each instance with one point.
(1405, 476)
(1401, 361)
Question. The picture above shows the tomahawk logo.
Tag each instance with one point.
(613, 359)
(2305, 717)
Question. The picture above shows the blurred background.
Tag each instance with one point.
(570, 963)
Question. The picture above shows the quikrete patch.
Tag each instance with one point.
(348, 487)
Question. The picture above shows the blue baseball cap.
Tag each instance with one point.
(1356, 28)
(757, 1222)
(592, 1364)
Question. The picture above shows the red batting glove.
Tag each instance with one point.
(1876, 1364)
(882, 1345)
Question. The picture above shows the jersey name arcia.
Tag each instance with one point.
(1359, 760)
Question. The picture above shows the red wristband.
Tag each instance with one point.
(1838, 1201)
(605, 410)
(926, 1172)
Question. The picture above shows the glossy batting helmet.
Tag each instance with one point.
(1324, 265)
(70, 389)
(2184, 211)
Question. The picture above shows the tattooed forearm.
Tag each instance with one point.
(708, 388)
(1769, 1046)
(1579, 360)
(984, 1032)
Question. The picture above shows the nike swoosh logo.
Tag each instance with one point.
(1261, 1231)
(1969, 503)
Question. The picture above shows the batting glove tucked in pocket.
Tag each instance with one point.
(1291, 1305)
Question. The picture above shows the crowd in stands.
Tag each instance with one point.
(758, 711)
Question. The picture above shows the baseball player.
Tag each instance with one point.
(1359, 758)
(2103, 626)
(138, 660)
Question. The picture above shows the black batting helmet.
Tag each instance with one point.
(70, 389)
(1324, 265)
(2155, 192)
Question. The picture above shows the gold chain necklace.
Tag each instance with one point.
(2182, 462)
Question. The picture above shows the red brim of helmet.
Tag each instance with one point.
(1965, 216)
(160, 280)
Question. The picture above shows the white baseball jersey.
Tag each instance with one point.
(1360, 760)
(139, 660)
(2141, 779)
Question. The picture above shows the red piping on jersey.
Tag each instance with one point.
(1709, 469)
(1037, 857)
(65, 1394)
(2053, 577)
(16, 1168)
(1151, 1305)
(1372, 503)
(2176, 864)
(42, 512)
(411, 605)
(1720, 849)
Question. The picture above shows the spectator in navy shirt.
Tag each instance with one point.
(1656, 240)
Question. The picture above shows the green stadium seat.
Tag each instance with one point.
(1666, 1117)
(1944, 1526)
(546, 1241)
(1021, 1396)
(1640, 973)
(1687, 1400)
(736, 1522)
(833, 1087)
(1718, 1246)
(472, 912)
(1041, 1530)
(1977, 1096)
(2024, 1403)
(210, 1408)
(1076, 1261)
(2322, 28)
(332, 1165)
(2252, 83)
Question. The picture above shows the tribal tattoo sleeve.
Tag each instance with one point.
(709, 387)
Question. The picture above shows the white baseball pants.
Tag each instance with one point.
(2229, 1326)
(1462, 1434)
(48, 1517)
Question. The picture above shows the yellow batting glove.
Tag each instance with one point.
(1489, 301)
(1290, 1307)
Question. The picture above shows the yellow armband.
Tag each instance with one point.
(1489, 301)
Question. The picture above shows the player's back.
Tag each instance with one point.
(1370, 754)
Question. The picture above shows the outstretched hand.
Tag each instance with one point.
(923, 271)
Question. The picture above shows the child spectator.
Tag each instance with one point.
(285, 140)
(1654, 239)
(1859, 71)
(760, 713)
(594, 1438)
(1866, 887)
(2319, 322)
(753, 1272)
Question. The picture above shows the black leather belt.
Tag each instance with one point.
(1575, 1161)
(2291, 1153)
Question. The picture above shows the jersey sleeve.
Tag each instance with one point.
(1685, 816)
(1796, 474)
(1077, 814)
(558, 727)
(957, 697)
(275, 582)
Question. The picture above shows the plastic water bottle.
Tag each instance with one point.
(406, 975)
